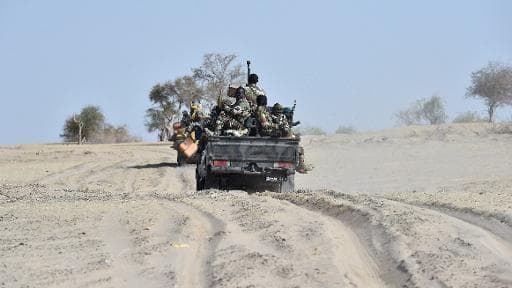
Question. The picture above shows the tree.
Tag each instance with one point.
(492, 84)
(429, 111)
(432, 110)
(164, 110)
(187, 90)
(216, 73)
(88, 123)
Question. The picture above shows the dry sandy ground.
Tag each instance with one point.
(409, 207)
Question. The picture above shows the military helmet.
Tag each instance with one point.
(261, 100)
(253, 79)
(277, 108)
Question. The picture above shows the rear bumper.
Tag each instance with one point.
(268, 172)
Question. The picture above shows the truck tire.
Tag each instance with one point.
(287, 185)
(199, 182)
(211, 182)
(207, 182)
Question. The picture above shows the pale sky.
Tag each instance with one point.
(345, 62)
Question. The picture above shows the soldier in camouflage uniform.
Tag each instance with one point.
(196, 112)
(242, 108)
(281, 125)
(263, 116)
(252, 90)
(232, 117)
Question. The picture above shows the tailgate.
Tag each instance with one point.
(253, 149)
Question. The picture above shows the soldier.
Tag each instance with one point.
(283, 129)
(196, 112)
(232, 118)
(229, 99)
(252, 90)
(241, 109)
(263, 116)
(281, 125)
(185, 119)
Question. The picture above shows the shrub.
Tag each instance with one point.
(345, 130)
(423, 111)
(468, 117)
(311, 130)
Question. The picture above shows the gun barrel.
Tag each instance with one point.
(248, 70)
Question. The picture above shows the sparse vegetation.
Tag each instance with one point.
(89, 126)
(345, 130)
(492, 84)
(311, 130)
(116, 134)
(81, 127)
(468, 117)
(424, 111)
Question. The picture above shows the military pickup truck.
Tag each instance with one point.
(227, 162)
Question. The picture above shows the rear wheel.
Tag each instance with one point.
(199, 182)
(212, 182)
(207, 182)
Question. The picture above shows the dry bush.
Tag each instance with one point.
(112, 134)
(311, 130)
(423, 111)
(345, 130)
(502, 128)
(468, 117)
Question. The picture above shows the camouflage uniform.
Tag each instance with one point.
(196, 113)
(233, 117)
(241, 110)
(252, 91)
(265, 119)
(281, 125)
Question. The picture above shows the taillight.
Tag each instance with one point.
(220, 163)
(284, 165)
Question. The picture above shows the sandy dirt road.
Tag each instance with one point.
(409, 207)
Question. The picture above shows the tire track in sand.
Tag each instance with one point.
(493, 242)
(360, 237)
(159, 244)
(278, 244)
(436, 249)
(118, 244)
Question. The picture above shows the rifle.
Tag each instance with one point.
(288, 112)
(248, 70)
